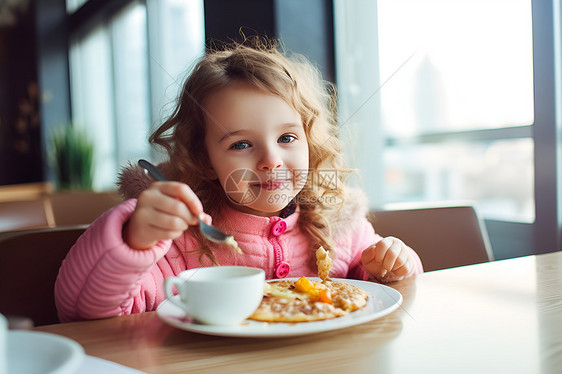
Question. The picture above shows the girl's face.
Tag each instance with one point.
(257, 147)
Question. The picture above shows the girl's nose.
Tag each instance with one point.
(270, 160)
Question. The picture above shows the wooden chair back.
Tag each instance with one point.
(26, 214)
(81, 207)
(29, 264)
(25, 191)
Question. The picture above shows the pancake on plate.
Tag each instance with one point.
(304, 300)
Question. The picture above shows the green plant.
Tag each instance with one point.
(73, 158)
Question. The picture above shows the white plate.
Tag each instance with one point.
(382, 301)
(33, 352)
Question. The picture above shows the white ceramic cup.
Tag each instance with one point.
(3, 345)
(220, 295)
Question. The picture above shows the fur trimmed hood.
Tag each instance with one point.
(133, 180)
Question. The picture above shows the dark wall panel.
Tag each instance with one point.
(20, 135)
(226, 19)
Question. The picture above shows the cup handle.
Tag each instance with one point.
(168, 283)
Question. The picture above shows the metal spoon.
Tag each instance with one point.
(209, 231)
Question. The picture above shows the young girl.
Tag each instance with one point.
(252, 143)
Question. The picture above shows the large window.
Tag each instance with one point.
(109, 89)
(124, 76)
(445, 108)
(448, 74)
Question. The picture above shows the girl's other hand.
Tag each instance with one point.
(164, 211)
(388, 260)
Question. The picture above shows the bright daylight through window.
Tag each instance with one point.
(454, 100)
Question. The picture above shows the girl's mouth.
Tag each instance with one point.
(270, 185)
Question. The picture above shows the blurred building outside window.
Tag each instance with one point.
(443, 110)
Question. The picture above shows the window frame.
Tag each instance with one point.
(547, 125)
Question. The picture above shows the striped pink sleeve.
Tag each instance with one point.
(102, 277)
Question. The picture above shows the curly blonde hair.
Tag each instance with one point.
(293, 79)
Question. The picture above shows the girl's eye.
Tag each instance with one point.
(240, 145)
(287, 138)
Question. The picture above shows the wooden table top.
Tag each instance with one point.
(498, 317)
